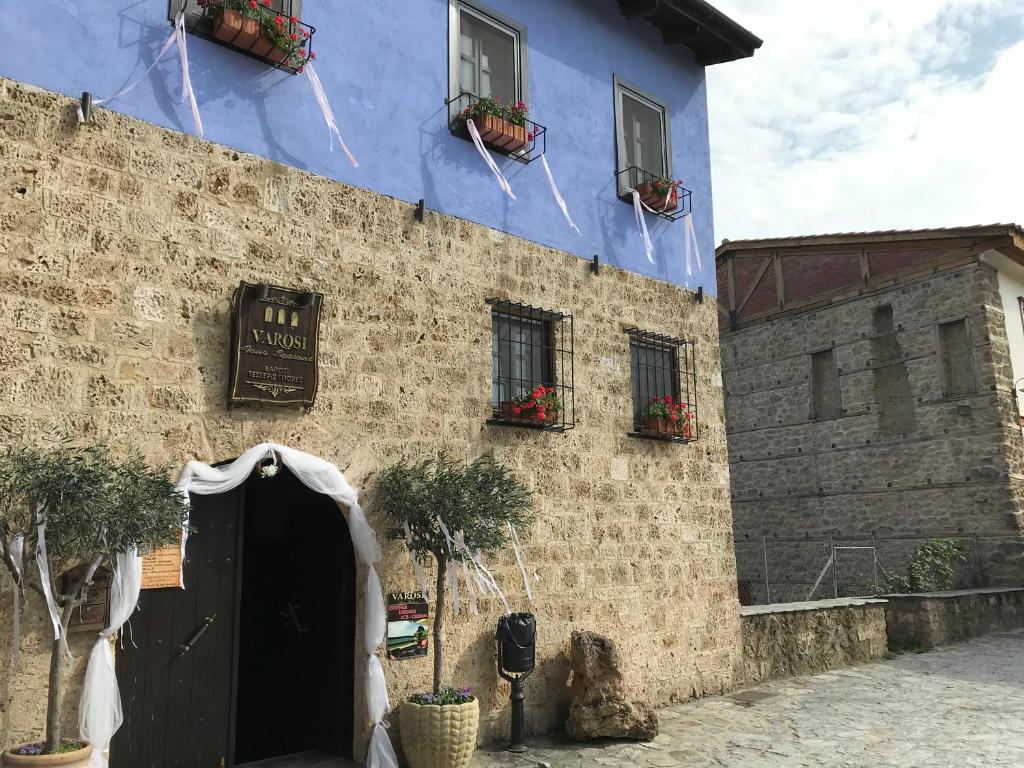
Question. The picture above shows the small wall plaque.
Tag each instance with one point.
(161, 568)
(408, 625)
(274, 346)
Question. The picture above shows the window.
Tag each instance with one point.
(193, 11)
(894, 400)
(531, 366)
(486, 54)
(641, 136)
(956, 359)
(827, 401)
(662, 367)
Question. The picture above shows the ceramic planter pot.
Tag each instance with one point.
(235, 29)
(440, 736)
(501, 133)
(77, 759)
(655, 201)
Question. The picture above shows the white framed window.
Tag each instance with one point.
(486, 54)
(642, 137)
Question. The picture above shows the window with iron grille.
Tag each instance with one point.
(664, 382)
(531, 367)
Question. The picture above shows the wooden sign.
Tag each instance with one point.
(408, 625)
(161, 568)
(274, 343)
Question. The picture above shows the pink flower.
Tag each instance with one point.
(516, 410)
(293, 19)
(266, 3)
(279, 20)
(540, 413)
(253, 4)
(312, 54)
(529, 136)
(293, 36)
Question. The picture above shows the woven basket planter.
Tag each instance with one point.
(440, 736)
(78, 759)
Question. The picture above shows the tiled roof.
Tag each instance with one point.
(881, 236)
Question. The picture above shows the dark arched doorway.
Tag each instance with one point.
(254, 659)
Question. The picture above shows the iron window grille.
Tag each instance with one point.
(531, 348)
(644, 183)
(662, 366)
(200, 21)
(536, 134)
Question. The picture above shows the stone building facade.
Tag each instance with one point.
(869, 393)
(122, 244)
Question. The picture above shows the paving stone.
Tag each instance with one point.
(959, 706)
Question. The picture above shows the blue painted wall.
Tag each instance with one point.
(384, 65)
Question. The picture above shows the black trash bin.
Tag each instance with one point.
(517, 642)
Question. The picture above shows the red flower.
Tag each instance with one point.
(312, 54)
(667, 399)
(300, 69)
(279, 20)
(305, 33)
(266, 3)
(529, 136)
(540, 413)
(516, 410)
(529, 404)
(293, 36)
(253, 4)
(293, 19)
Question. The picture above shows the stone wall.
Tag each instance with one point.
(902, 458)
(121, 246)
(792, 639)
(940, 618)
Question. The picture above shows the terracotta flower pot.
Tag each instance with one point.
(500, 133)
(505, 409)
(440, 736)
(655, 201)
(235, 29)
(79, 758)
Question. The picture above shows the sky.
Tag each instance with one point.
(869, 114)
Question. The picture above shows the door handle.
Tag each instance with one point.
(183, 649)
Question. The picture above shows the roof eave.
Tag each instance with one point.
(713, 37)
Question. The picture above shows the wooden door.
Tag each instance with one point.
(177, 665)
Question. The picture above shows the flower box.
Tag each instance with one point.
(528, 416)
(253, 27)
(658, 426)
(657, 197)
(500, 133)
(235, 29)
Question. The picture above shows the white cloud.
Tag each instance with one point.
(869, 114)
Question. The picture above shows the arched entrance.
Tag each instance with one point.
(254, 659)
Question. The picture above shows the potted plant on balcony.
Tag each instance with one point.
(660, 194)
(476, 502)
(93, 507)
(500, 125)
(541, 406)
(253, 26)
(662, 416)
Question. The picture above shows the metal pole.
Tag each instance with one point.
(835, 578)
(518, 719)
(767, 584)
(874, 558)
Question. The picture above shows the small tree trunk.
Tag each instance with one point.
(439, 599)
(55, 697)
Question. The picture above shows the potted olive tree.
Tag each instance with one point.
(476, 503)
(92, 506)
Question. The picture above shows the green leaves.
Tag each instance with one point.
(93, 504)
(932, 568)
(479, 499)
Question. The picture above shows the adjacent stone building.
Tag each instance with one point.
(870, 392)
(123, 241)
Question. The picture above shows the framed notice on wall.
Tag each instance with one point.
(161, 568)
(408, 625)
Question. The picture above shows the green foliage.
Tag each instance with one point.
(932, 568)
(446, 695)
(94, 505)
(491, 105)
(479, 499)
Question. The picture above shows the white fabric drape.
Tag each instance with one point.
(17, 552)
(99, 712)
(322, 477)
(43, 563)
(488, 160)
(692, 250)
(559, 200)
(642, 224)
(325, 108)
(177, 37)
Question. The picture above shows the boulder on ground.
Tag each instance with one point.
(600, 705)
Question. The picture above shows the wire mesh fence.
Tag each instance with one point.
(785, 570)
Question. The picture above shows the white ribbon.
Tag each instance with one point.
(519, 560)
(460, 545)
(475, 135)
(17, 552)
(325, 108)
(177, 36)
(557, 195)
(491, 581)
(44, 575)
(690, 236)
(415, 562)
(186, 81)
(642, 224)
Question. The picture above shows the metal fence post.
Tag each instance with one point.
(874, 559)
(835, 577)
(767, 584)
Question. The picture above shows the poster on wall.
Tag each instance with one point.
(408, 625)
(161, 568)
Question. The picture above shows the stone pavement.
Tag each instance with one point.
(960, 706)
